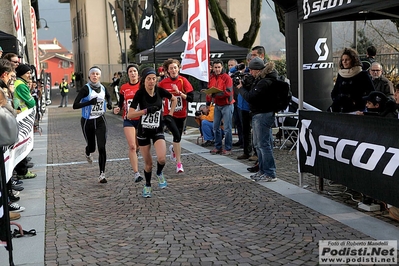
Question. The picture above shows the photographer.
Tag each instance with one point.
(204, 118)
(261, 102)
(242, 75)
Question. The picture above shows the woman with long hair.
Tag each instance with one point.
(352, 84)
(126, 95)
(182, 89)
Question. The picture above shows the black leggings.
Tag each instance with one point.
(92, 129)
(176, 127)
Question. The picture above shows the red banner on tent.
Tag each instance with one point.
(195, 61)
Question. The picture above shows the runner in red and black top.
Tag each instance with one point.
(182, 89)
(147, 104)
(126, 95)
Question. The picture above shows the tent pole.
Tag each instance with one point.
(300, 83)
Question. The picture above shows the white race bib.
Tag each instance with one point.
(98, 108)
(151, 120)
(179, 105)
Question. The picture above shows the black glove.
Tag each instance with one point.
(152, 109)
(93, 101)
(109, 106)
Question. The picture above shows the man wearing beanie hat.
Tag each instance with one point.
(261, 98)
(93, 98)
(23, 99)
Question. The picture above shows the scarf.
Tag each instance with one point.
(350, 72)
(95, 86)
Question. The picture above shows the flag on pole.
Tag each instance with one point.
(195, 60)
(146, 38)
(115, 23)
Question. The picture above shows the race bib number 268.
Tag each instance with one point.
(151, 120)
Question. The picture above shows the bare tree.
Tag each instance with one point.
(222, 20)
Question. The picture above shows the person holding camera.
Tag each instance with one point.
(261, 103)
(182, 89)
(242, 73)
(224, 108)
(93, 98)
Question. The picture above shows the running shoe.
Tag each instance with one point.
(28, 175)
(270, 179)
(256, 175)
(101, 178)
(147, 192)
(162, 181)
(179, 168)
(226, 152)
(265, 178)
(89, 159)
(137, 177)
(13, 198)
(14, 207)
(172, 153)
(16, 182)
(216, 151)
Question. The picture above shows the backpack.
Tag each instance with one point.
(366, 63)
(282, 93)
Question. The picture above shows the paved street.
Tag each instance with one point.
(212, 214)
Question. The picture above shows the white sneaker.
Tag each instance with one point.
(172, 153)
(89, 159)
(179, 168)
(14, 207)
(137, 177)
(101, 178)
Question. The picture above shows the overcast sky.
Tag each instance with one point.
(58, 21)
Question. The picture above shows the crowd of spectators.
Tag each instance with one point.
(19, 92)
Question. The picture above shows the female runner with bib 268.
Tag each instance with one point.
(147, 103)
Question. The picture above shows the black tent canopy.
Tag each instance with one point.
(173, 46)
(341, 10)
(346, 10)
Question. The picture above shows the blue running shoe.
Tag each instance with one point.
(162, 181)
(147, 192)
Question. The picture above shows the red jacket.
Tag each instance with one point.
(224, 83)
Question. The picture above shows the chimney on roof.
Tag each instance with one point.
(55, 41)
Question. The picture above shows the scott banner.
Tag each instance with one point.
(317, 64)
(360, 152)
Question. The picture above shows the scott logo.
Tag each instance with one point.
(317, 47)
(147, 22)
(365, 155)
(322, 50)
(321, 5)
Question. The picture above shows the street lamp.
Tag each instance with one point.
(45, 27)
